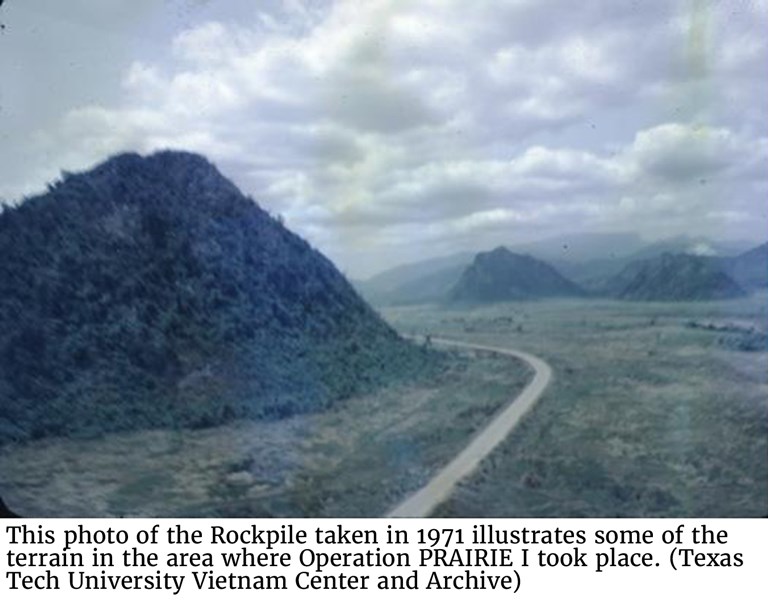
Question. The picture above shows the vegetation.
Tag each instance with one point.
(503, 275)
(749, 269)
(674, 277)
(646, 416)
(358, 458)
(150, 292)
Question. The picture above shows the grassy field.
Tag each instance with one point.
(654, 410)
(357, 459)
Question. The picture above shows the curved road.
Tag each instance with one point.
(424, 501)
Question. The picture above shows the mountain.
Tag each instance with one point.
(501, 275)
(422, 281)
(432, 287)
(674, 277)
(427, 288)
(585, 258)
(594, 261)
(149, 292)
(586, 255)
(595, 275)
(749, 269)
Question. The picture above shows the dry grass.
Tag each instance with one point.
(646, 416)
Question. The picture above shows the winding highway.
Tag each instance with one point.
(424, 501)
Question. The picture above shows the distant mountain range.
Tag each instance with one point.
(419, 282)
(600, 264)
(749, 269)
(149, 292)
(674, 277)
(593, 274)
(504, 275)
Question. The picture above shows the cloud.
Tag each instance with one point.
(678, 152)
(445, 122)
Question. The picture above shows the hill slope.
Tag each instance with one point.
(420, 281)
(150, 292)
(750, 269)
(674, 277)
(501, 275)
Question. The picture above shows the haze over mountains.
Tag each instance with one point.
(150, 292)
(681, 268)
(749, 268)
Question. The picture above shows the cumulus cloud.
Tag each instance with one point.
(384, 129)
(679, 152)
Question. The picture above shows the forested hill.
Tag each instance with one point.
(150, 292)
(674, 277)
(749, 269)
(501, 275)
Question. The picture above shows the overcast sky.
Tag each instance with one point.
(390, 130)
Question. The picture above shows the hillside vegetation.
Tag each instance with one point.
(749, 269)
(503, 275)
(150, 292)
(674, 277)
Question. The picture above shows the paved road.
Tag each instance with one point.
(439, 488)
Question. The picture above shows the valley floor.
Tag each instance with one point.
(654, 410)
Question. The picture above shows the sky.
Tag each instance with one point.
(386, 131)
